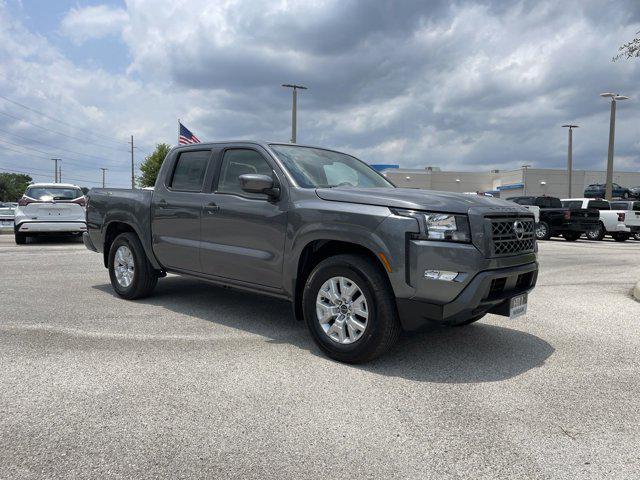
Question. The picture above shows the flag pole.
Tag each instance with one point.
(178, 131)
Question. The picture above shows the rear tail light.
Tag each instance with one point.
(567, 215)
(24, 201)
(621, 217)
(82, 201)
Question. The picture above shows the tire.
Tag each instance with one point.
(543, 232)
(636, 236)
(143, 278)
(625, 195)
(382, 326)
(597, 234)
(571, 236)
(470, 321)
(620, 236)
(20, 238)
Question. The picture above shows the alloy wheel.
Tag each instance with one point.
(124, 266)
(342, 310)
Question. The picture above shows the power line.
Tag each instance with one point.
(48, 176)
(119, 142)
(2, 140)
(11, 135)
(83, 140)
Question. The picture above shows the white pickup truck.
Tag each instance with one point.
(632, 214)
(620, 224)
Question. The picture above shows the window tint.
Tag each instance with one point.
(572, 203)
(619, 206)
(189, 171)
(554, 202)
(239, 162)
(53, 193)
(599, 204)
(522, 200)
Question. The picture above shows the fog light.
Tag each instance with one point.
(440, 275)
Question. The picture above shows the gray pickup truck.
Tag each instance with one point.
(359, 259)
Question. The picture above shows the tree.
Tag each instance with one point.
(630, 49)
(151, 165)
(13, 185)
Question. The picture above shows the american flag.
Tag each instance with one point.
(185, 136)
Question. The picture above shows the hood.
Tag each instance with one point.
(411, 199)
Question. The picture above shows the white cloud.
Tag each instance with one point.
(82, 24)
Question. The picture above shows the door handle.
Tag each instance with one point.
(162, 204)
(211, 208)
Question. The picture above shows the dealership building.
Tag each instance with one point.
(504, 183)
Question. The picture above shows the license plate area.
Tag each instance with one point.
(518, 306)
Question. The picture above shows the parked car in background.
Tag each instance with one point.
(632, 208)
(635, 191)
(47, 208)
(615, 223)
(556, 220)
(597, 190)
(359, 258)
(7, 212)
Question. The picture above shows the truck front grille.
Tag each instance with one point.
(512, 236)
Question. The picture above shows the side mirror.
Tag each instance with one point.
(255, 183)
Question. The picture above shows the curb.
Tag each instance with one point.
(636, 291)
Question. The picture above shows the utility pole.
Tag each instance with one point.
(60, 173)
(612, 133)
(133, 179)
(55, 169)
(570, 155)
(294, 107)
(103, 172)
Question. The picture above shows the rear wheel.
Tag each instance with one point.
(350, 309)
(542, 231)
(597, 233)
(636, 236)
(620, 236)
(625, 195)
(131, 274)
(571, 236)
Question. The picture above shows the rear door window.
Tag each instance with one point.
(572, 204)
(599, 205)
(188, 174)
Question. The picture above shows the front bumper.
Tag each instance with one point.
(51, 227)
(488, 292)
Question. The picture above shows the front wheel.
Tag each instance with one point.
(597, 233)
(636, 236)
(349, 309)
(625, 195)
(620, 236)
(571, 236)
(131, 274)
(20, 238)
(543, 232)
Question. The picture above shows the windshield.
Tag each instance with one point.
(53, 193)
(317, 168)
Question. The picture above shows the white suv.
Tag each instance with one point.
(50, 208)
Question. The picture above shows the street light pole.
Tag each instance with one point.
(103, 172)
(612, 132)
(294, 107)
(524, 178)
(570, 155)
(55, 169)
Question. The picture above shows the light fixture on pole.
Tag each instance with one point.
(612, 132)
(570, 155)
(294, 107)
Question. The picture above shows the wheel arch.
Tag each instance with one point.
(115, 228)
(315, 251)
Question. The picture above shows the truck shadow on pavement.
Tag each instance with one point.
(472, 354)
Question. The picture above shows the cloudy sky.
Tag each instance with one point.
(461, 85)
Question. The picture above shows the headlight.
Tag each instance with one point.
(440, 226)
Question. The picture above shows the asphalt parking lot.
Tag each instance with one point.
(204, 382)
